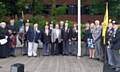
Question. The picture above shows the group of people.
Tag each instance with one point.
(56, 38)
(108, 51)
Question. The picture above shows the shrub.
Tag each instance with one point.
(82, 32)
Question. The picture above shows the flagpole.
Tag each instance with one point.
(104, 29)
(79, 53)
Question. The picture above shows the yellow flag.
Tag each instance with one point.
(22, 21)
(105, 24)
(22, 15)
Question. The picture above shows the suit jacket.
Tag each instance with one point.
(74, 34)
(25, 33)
(33, 36)
(13, 28)
(66, 34)
(97, 34)
(108, 35)
(47, 38)
(54, 35)
(116, 40)
(3, 33)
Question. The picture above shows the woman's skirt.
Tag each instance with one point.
(90, 43)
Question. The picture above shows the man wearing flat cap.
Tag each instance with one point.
(116, 46)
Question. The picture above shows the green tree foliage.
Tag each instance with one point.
(98, 8)
(39, 7)
(57, 10)
(3, 10)
(61, 10)
(12, 7)
(82, 32)
(41, 21)
(20, 5)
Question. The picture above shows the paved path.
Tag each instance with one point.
(53, 64)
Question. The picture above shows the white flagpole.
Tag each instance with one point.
(79, 31)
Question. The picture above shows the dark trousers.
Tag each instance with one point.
(12, 51)
(105, 56)
(117, 58)
(61, 47)
(4, 51)
(65, 47)
(25, 49)
(52, 48)
(73, 47)
(110, 55)
(57, 48)
(46, 49)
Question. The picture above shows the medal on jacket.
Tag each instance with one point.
(114, 33)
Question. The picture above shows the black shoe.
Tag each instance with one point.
(96, 59)
(46, 55)
(24, 54)
(12, 55)
(90, 57)
(111, 66)
(117, 69)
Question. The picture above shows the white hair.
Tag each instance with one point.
(2, 23)
(61, 22)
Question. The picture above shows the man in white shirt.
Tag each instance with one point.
(34, 36)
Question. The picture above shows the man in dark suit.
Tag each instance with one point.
(12, 28)
(74, 40)
(46, 41)
(26, 27)
(109, 34)
(52, 43)
(61, 43)
(116, 46)
(104, 46)
(33, 37)
(65, 37)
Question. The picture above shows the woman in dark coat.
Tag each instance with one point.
(4, 49)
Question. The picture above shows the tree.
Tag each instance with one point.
(39, 7)
(98, 8)
(61, 10)
(3, 10)
(57, 10)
